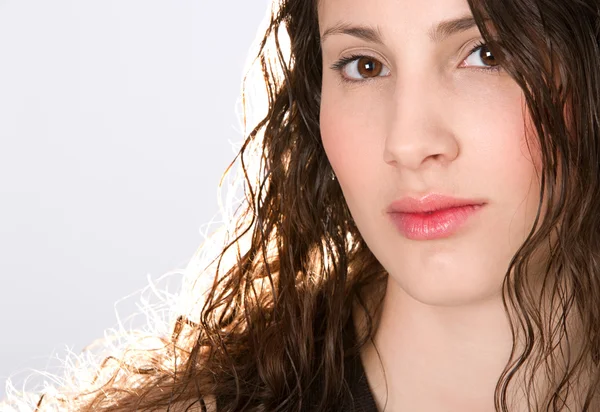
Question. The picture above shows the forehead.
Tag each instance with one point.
(393, 17)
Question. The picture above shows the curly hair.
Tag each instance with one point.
(271, 330)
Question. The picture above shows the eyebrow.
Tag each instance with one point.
(436, 33)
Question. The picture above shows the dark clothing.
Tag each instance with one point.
(359, 387)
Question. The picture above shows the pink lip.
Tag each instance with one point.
(432, 217)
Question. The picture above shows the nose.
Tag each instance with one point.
(418, 132)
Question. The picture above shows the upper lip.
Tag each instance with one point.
(430, 203)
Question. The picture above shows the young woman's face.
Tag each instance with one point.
(423, 114)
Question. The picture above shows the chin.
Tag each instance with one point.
(450, 290)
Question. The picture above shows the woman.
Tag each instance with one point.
(421, 227)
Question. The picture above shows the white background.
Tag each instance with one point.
(117, 119)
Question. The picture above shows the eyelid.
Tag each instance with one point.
(344, 61)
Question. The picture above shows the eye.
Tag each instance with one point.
(480, 55)
(357, 68)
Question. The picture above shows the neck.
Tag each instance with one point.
(437, 358)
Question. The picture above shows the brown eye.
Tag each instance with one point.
(369, 67)
(359, 68)
(486, 56)
(481, 56)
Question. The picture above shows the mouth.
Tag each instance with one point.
(433, 224)
(430, 203)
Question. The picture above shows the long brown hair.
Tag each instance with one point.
(271, 333)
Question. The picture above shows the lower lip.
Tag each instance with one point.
(437, 225)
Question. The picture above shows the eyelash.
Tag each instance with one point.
(341, 63)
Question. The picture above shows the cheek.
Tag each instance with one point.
(505, 159)
(499, 144)
(352, 142)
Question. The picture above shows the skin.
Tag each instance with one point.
(430, 120)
